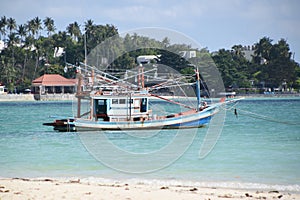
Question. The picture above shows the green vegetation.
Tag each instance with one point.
(36, 47)
(270, 66)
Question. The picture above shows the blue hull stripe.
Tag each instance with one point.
(195, 123)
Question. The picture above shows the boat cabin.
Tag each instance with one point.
(120, 108)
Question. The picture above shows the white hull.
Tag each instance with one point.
(198, 119)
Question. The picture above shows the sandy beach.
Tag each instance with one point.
(46, 188)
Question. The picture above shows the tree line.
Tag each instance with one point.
(32, 49)
(271, 65)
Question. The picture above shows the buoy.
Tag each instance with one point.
(235, 113)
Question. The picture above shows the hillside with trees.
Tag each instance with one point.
(30, 50)
(271, 66)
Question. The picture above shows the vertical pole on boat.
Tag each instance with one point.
(129, 107)
(85, 52)
(139, 76)
(198, 89)
(92, 78)
(143, 78)
(92, 100)
(79, 77)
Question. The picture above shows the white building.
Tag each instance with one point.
(2, 91)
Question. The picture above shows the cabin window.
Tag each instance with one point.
(115, 101)
(101, 106)
(143, 107)
(122, 101)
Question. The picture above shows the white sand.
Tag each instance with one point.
(76, 189)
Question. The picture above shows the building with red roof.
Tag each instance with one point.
(53, 84)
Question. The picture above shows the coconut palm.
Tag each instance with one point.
(29, 47)
(22, 32)
(88, 27)
(3, 23)
(34, 26)
(13, 39)
(38, 24)
(49, 25)
(74, 30)
(8, 75)
(30, 27)
(11, 24)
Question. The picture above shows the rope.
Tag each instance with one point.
(263, 117)
(171, 101)
(233, 106)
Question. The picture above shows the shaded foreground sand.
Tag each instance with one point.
(75, 189)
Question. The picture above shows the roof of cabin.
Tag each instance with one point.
(54, 80)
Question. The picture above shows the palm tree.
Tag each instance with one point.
(11, 24)
(34, 26)
(22, 32)
(29, 41)
(74, 30)
(49, 25)
(8, 75)
(88, 27)
(38, 25)
(3, 23)
(12, 39)
(30, 27)
(262, 49)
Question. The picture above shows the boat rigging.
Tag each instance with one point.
(110, 102)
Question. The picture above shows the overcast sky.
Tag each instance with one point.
(212, 24)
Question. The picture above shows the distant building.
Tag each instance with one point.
(146, 59)
(2, 91)
(247, 51)
(249, 54)
(2, 45)
(52, 84)
(188, 54)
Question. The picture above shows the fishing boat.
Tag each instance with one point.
(107, 102)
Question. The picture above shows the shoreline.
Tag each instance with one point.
(31, 97)
(16, 97)
(76, 188)
(296, 95)
(68, 97)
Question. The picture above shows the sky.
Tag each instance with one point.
(213, 24)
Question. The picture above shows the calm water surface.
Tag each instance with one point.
(249, 150)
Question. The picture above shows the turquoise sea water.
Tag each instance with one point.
(249, 151)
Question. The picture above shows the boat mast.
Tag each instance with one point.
(79, 77)
(85, 52)
(141, 78)
(91, 100)
(129, 107)
(198, 91)
(79, 93)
